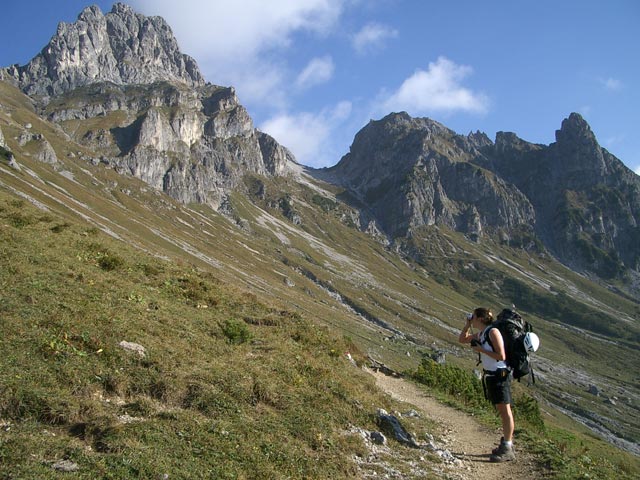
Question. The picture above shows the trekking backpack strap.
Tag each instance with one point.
(488, 340)
(487, 337)
(531, 374)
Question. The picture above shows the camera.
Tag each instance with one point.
(469, 317)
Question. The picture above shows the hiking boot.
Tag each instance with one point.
(503, 454)
(497, 449)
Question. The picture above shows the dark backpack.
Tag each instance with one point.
(513, 329)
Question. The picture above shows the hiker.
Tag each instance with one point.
(496, 378)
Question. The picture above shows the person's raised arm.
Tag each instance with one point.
(465, 334)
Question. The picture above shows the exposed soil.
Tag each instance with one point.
(462, 435)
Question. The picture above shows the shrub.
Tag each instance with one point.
(451, 380)
(236, 332)
(59, 228)
(527, 410)
(18, 220)
(109, 262)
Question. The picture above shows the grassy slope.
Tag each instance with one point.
(237, 389)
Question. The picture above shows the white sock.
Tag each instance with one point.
(508, 444)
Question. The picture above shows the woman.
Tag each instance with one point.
(496, 376)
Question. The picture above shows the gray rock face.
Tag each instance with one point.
(43, 151)
(118, 84)
(390, 424)
(195, 144)
(276, 158)
(587, 202)
(120, 47)
(580, 200)
(414, 172)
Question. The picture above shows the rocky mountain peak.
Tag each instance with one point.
(122, 9)
(577, 152)
(118, 84)
(90, 13)
(575, 129)
(509, 143)
(479, 139)
(414, 172)
(121, 47)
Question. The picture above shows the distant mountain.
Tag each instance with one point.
(587, 201)
(119, 84)
(121, 47)
(411, 172)
(580, 200)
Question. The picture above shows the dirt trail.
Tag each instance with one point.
(463, 436)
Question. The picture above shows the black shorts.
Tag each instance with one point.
(498, 387)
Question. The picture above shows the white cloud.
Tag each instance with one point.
(637, 170)
(371, 37)
(611, 84)
(437, 90)
(319, 70)
(585, 110)
(308, 135)
(614, 140)
(241, 43)
(223, 30)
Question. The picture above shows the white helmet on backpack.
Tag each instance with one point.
(531, 342)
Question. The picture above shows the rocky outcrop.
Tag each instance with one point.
(414, 172)
(587, 202)
(195, 144)
(118, 84)
(277, 159)
(580, 200)
(39, 145)
(121, 47)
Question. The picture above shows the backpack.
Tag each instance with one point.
(513, 329)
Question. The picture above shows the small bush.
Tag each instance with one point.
(527, 409)
(151, 270)
(109, 262)
(5, 154)
(194, 289)
(236, 332)
(19, 220)
(61, 227)
(451, 380)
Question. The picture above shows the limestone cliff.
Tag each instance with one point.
(587, 202)
(577, 198)
(121, 47)
(118, 83)
(412, 172)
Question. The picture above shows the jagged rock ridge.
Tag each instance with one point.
(119, 84)
(580, 200)
(414, 172)
(121, 47)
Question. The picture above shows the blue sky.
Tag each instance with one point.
(314, 72)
